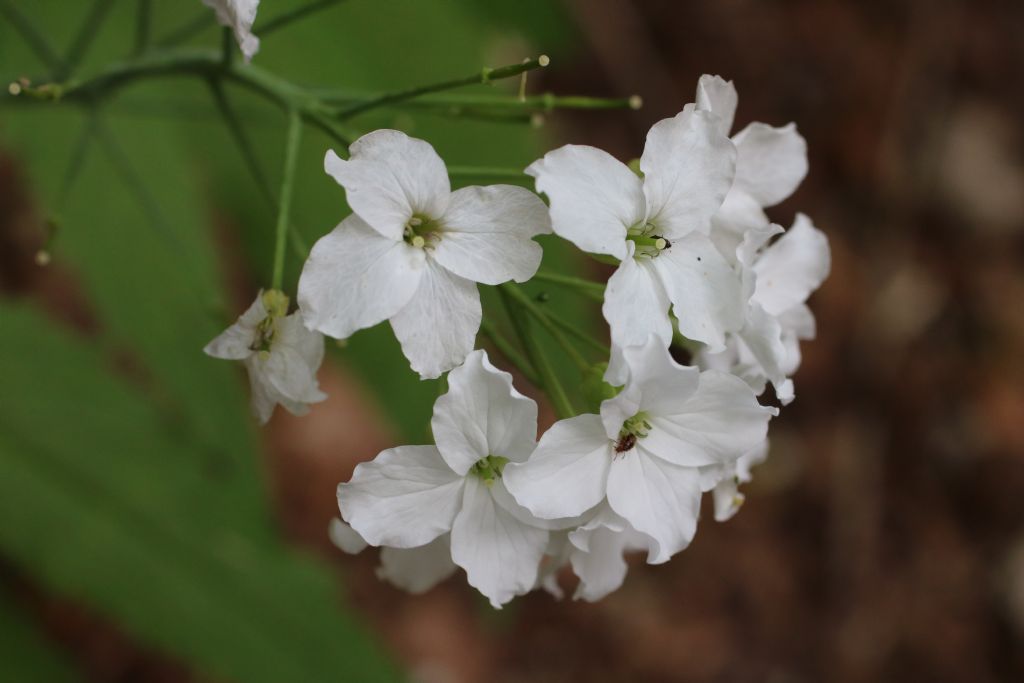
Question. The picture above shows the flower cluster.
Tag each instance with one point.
(698, 262)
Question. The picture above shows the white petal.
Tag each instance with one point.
(354, 279)
(500, 554)
(728, 499)
(771, 162)
(389, 177)
(657, 498)
(739, 214)
(661, 385)
(405, 497)
(235, 342)
(294, 359)
(568, 472)
(717, 95)
(706, 293)
(688, 167)
(418, 569)
(345, 537)
(487, 234)
(718, 423)
(793, 267)
(262, 395)
(635, 306)
(594, 197)
(238, 15)
(762, 335)
(482, 414)
(437, 328)
(597, 549)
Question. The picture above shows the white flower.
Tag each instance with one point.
(238, 15)
(781, 276)
(413, 250)
(281, 355)
(770, 164)
(415, 570)
(409, 496)
(597, 553)
(645, 451)
(656, 226)
(724, 481)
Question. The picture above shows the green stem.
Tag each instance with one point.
(227, 46)
(561, 323)
(143, 23)
(35, 38)
(285, 18)
(594, 290)
(545, 102)
(556, 333)
(83, 40)
(237, 130)
(188, 29)
(291, 155)
(509, 351)
(548, 379)
(484, 76)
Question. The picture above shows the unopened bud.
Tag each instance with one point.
(43, 258)
(14, 88)
(276, 303)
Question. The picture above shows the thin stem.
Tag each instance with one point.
(84, 39)
(509, 351)
(556, 333)
(77, 161)
(548, 379)
(291, 155)
(188, 29)
(227, 46)
(285, 18)
(241, 140)
(594, 290)
(568, 327)
(143, 23)
(484, 76)
(35, 38)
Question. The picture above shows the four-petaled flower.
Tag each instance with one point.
(644, 452)
(413, 250)
(410, 496)
(657, 226)
(281, 355)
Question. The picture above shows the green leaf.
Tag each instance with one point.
(24, 653)
(103, 504)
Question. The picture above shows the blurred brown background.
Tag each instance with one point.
(884, 538)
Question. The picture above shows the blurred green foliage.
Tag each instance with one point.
(130, 470)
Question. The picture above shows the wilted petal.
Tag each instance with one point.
(500, 554)
(657, 498)
(594, 197)
(345, 538)
(354, 279)
(793, 267)
(487, 234)
(235, 343)
(706, 293)
(688, 167)
(238, 15)
(568, 472)
(389, 177)
(294, 359)
(418, 569)
(597, 553)
(405, 497)
(482, 414)
(437, 328)
(717, 95)
(771, 162)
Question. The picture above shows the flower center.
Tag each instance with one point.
(422, 232)
(633, 429)
(276, 304)
(489, 468)
(648, 243)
